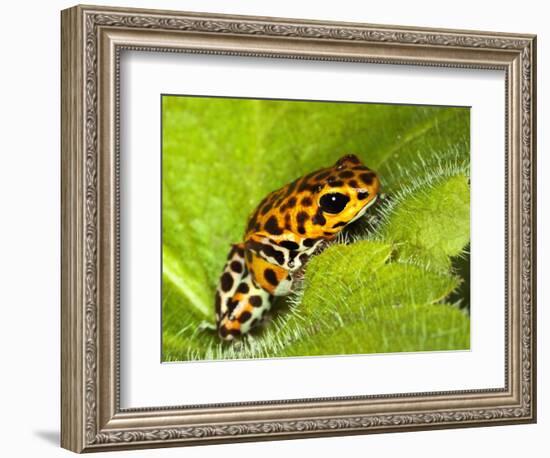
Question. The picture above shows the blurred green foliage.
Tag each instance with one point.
(386, 292)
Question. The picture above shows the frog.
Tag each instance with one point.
(287, 228)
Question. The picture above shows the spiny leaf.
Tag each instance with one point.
(352, 276)
(390, 329)
(432, 223)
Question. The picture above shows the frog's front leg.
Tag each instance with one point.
(246, 291)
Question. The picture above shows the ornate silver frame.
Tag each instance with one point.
(92, 39)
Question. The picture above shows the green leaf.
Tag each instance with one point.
(432, 223)
(222, 156)
(393, 329)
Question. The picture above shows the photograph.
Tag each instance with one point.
(301, 228)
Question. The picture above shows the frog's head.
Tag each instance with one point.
(320, 204)
(343, 193)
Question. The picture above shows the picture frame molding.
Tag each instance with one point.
(92, 40)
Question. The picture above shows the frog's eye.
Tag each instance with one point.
(334, 202)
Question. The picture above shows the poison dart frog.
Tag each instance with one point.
(289, 226)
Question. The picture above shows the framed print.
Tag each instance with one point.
(278, 228)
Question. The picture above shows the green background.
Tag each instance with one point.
(402, 287)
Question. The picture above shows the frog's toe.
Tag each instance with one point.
(228, 334)
(207, 326)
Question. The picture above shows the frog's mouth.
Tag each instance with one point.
(363, 210)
